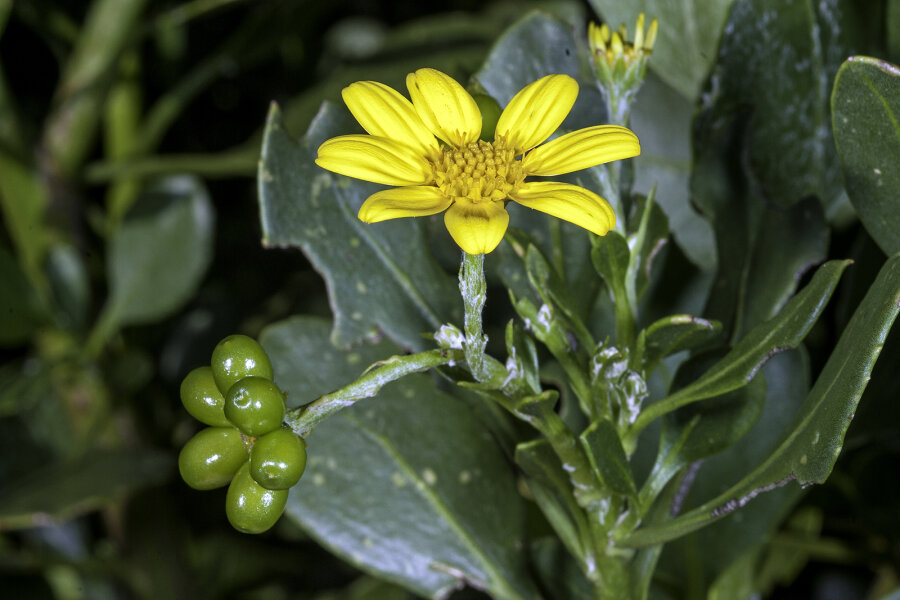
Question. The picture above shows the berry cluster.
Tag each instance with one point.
(245, 443)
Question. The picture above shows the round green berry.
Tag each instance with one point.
(250, 507)
(211, 458)
(490, 114)
(236, 357)
(278, 459)
(255, 405)
(202, 399)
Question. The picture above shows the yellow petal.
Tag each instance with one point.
(414, 201)
(374, 159)
(383, 112)
(476, 228)
(582, 149)
(444, 106)
(568, 202)
(537, 111)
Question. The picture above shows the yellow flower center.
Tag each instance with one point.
(480, 171)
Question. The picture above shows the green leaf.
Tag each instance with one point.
(865, 108)
(662, 119)
(23, 200)
(723, 542)
(809, 449)
(702, 429)
(539, 45)
(158, 256)
(552, 490)
(610, 257)
(743, 362)
(409, 485)
(689, 33)
(60, 491)
(604, 449)
(558, 572)
(676, 333)
(646, 242)
(19, 304)
(379, 276)
(769, 87)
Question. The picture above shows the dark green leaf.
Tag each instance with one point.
(23, 200)
(647, 242)
(675, 334)
(408, 485)
(689, 34)
(69, 281)
(19, 312)
(743, 362)
(769, 87)
(379, 276)
(662, 119)
(158, 256)
(723, 542)
(552, 490)
(604, 449)
(811, 445)
(61, 491)
(865, 108)
(610, 257)
(559, 572)
(539, 45)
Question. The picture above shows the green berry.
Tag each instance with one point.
(211, 458)
(250, 507)
(202, 399)
(490, 114)
(255, 406)
(236, 357)
(278, 459)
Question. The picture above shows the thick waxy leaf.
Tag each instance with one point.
(379, 276)
(723, 542)
(158, 256)
(865, 108)
(551, 488)
(769, 86)
(662, 120)
(743, 362)
(762, 250)
(809, 449)
(689, 34)
(604, 449)
(702, 429)
(18, 303)
(610, 257)
(61, 491)
(407, 485)
(646, 243)
(675, 334)
(23, 201)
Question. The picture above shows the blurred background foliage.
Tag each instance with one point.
(129, 138)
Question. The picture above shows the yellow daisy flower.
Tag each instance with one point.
(430, 149)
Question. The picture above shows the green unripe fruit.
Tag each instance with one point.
(202, 399)
(236, 357)
(250, 507)
(210, 459)
(490, 114)
(278, 459)
(255, 406)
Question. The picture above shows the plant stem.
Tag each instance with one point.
(302, 420)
